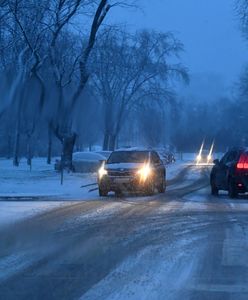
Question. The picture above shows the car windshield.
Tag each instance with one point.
(128, 157)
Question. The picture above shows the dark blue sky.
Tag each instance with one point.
(209, 30)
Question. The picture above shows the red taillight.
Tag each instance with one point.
(243, 162)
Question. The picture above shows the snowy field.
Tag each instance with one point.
(41, 181)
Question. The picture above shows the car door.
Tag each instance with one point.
(157, 164)
(222, 172)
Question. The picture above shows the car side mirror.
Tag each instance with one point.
(216, 162)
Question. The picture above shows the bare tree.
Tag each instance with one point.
(138, 69)
(63, 130)
(39, 27)
(241, 8)
(40, 49)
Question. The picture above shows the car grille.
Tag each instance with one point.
(120, 173)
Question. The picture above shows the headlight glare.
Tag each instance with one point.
(144, 172)
(102, 172)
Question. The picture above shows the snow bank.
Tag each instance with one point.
(42, 181)
(172, 170)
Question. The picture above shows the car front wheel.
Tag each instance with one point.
(162, 186)
(102, 192)
(150, 189)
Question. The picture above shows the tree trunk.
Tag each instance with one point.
(108, 124)
(106, 142)
(29, 152)
(17, 142)
(17, 131)
(112, 142)
(8, 156)
(16, 148)
(49, 148)
(67, 151)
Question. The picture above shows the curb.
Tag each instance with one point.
(28, 198)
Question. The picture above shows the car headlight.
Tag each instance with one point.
(198, 158)
(144, 172)
(102, 172)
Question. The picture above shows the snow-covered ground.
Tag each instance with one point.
(172, 170)
(151, 273)
(41, 181)
(24, 193)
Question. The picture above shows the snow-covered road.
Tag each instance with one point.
(184, 244)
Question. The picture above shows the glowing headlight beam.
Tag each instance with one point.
(198, 158)
(211, 152)
(102, 172)
(144, 172)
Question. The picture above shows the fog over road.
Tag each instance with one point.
(184, 244)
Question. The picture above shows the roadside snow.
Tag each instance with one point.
(41, 181)
(27, 188)
(173, 169)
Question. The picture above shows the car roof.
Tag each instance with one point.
(133, 150)
(242, 149)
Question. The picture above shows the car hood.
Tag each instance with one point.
(124, 166)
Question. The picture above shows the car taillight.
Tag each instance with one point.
(243, 162)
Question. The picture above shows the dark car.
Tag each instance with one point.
(231, 173)
(132, 170)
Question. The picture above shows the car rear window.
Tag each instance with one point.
(128, 157)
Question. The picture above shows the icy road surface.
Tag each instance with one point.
(184, 244)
